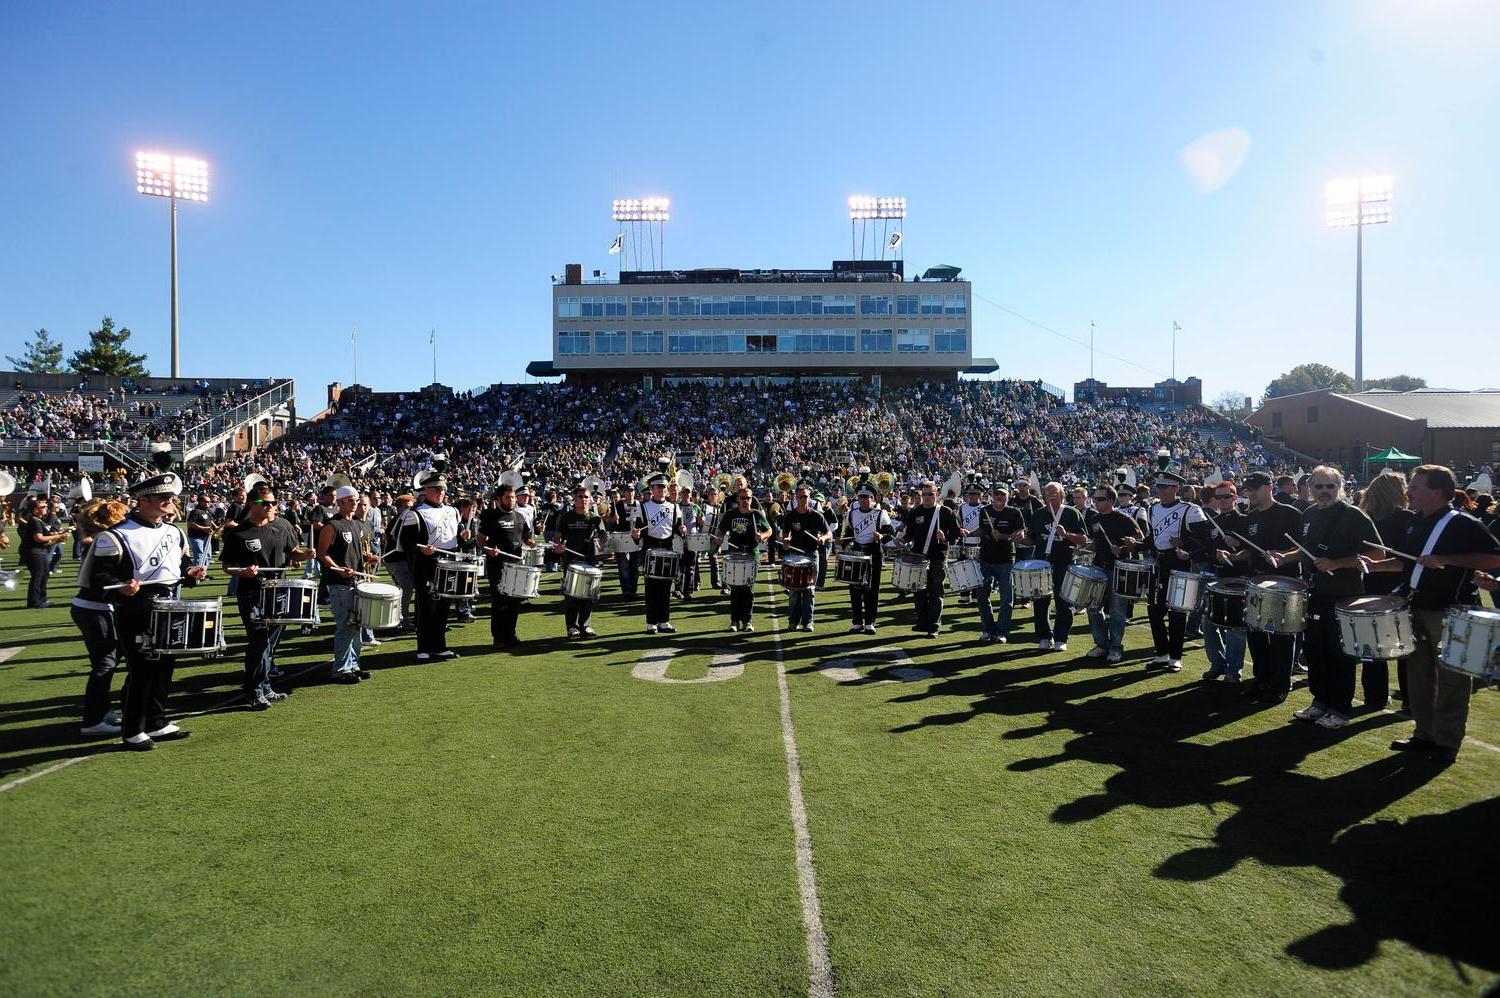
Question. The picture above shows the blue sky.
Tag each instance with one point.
(398, 167)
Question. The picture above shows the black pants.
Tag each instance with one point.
(149, 679)
(865, 602)
(1063, 625)
(38, 564)
(503, 613)
(687, 576)
(1375, 683)
(577, 612)
(1271, 658)
(741, 604)
(103, 645)
(929, 601)
(1330, 673)
(658, 601)
(432, 611)
(1168, 627)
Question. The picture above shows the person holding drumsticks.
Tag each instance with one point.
(803, 531)
(503, 532)
(580, 534)
(743, 530)
(261, 541)
(344, 553)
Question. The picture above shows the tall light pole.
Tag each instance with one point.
(1358, 203)
(174, 178)
(864, 209)
(648, 211)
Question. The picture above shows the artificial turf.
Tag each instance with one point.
(548, 822)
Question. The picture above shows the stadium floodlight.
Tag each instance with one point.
(655, 209)
(1356, 204)
(176, 178)
(646, 211)
(862, 207)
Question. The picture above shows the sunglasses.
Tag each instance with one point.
(262, 502)
(1323, 488)
(1102, 499)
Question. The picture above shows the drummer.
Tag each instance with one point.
(580, 535)
(968, 518)
(1224, 646)
(145, 560)
(803, 531)
(261, 541)
(1115, 535)
(503, 532)
(429, 531)
(1054, 531)
(622, 513)
(1267, 518)
(928, 529)
(743, 530)
(656, 524)
(344, 553)
(1338, 535)
(1448, 547)
(865, 530)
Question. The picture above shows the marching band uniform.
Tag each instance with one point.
(468, 543)
(267, 544)
(153, 554)
(866, 530)
(503, 532)
(95, 619)
(921, 529)
(1171, 520)
(430, 523)
(655, 525)
(968, 518)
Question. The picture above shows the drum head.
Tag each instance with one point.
(379, 590)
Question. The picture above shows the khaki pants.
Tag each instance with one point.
(1438, 698)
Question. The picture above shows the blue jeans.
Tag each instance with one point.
(1225, 649)
(799, 606)
(1108, 623)
(996, 580)
(346, 630)
(199, 547)
(629, 565)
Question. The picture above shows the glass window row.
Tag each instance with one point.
(689, 305)
(576, 342)
(595, 307)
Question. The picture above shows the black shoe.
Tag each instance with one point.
(1414, 744)
(365, 674)
(145, 746)
(1251, 690)
(347, 678)
(257, 703)
(510, 642)
(667, 629)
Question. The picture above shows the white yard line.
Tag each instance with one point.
(43, 772)
(1482, 744)
(6, 654)
(820, 981)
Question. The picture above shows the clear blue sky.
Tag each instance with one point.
(397, 167)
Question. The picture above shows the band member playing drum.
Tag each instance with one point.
(1115, 535)
(1446, 548)
(1053, 531)
(261, 541)
(1224, 646)
(655, 525)
(1178, 529)
(1385, 503)
(427, 532)
(622, 514)
(95, 619)
(741, 532)
(1000, 526)
(468, 543)
(1337, 534)
(503, 533)
(344, 552)
(580, 532)
(968, 518)
(803, 531)
(866, 529)
(929, 529)
(1267, 520)
(136, 562)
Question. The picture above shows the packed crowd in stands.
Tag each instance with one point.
(114, 415)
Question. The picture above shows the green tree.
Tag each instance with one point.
(1398, 383)
(107, 355)
(43, 355)
(1309, 378)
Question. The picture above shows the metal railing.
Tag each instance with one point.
(198, 439)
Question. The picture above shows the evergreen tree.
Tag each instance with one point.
(43, 355)
(106, 354)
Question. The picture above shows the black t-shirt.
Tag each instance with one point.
(1440, 588)
(581, 532)
(1340, 531)
(1221, 528)
(1007, 520)
(917, 527)
(266, 546)
(805, 529)
(504, 529)
(1116, 527)
(200, 522)
(28, 529)
(1392, 530)
(742, 530)
(1267, 529)
(1039, 529)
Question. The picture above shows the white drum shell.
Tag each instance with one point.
(964, 575)
(700, 543)
(909, 574)
(1471, 643)
(1185, 591)
(1032, 579)
(1275, 605)
(620, 542)
(739, 570)
(1084, 586)
(1381, 630)
(378, 605)
(520, 581)
(971, 547)
(535, 556)
(582, 581)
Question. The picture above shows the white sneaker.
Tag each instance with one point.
(650, 628)
(572, 632)
(1059, 646)
(422, 656)
(1174, 665)
(869, 628)
(1160, 660)
(1115, 655)
(169, 729)
(1332, 721)
(1045, 644)
(1096, 652)
(1311, 712)
(857, 629)
(102, 728)
(372, 643)
(747, 627)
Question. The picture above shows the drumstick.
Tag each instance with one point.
(117, 585)
(1391, 551)
(1299, 547)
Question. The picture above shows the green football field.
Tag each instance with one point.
(621, 817)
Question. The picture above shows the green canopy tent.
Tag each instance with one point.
(1392, 455)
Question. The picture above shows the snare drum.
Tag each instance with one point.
(520, 581)
(1275, 604)
(854, 569)
(798, 571)
(1083, 556)
(1133, 579)
(185, 627)
(909, 573)
(971, 549)
(582, 581)
(661, 564)
(1185, 590)
(1471, 643)
(288, 601)
(964, 575)
(1084, 586)
(620, 542)
(535, 556)
(458, 580)
(1375, 628)
(1225, 603)
(739, 569)
(700, 543)
(378, 605)
(1032, 579)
